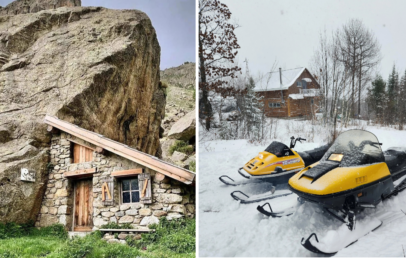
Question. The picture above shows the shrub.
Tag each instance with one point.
(11, 230)
(56, 230)
(181, 146)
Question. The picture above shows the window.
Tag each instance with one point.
(299, 84)
(130, 191)
(304, 84)
(274, 105)
(312, 101)
(80, 154)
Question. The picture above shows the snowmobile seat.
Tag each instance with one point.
(312, 156)
(396, 160)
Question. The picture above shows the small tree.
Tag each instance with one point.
(253, 111)
(392, 93)
(377, 98)
(402, 102)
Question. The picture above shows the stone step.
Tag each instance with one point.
(72, 234)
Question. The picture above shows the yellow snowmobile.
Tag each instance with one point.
(353, 174)
(277, 163)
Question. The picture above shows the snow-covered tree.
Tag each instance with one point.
(252, 111)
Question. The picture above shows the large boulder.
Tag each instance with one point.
(33, 6)
(91, 66)
(184, 128)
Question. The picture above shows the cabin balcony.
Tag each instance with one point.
(310, 92)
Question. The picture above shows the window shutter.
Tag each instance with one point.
(109, 192)
(144, 181)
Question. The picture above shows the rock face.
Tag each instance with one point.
(94, 67)
(179, 112)
(185, 128)
(33, 6)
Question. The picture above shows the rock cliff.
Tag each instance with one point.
(33, 6)
(91, 66)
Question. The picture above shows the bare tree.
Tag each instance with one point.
(360, 52)
(217, 50)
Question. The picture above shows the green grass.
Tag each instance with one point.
(192, 166)
(171, 239)
(181, 146)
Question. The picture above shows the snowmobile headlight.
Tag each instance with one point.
(260, 156)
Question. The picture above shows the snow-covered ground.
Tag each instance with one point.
(228, 228)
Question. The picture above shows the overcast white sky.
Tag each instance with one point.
(288, 31)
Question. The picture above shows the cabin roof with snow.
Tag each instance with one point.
(289, 76)
(149, 161)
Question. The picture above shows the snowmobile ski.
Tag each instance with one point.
(245, 199)
(336, 240)
(227, 181)
(287, 212)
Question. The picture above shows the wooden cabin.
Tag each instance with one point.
(290, 93)
(94, 180)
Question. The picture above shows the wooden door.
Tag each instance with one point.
(84, 205)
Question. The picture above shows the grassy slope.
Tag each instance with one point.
(174, 238)
(181, 82)
(41, 246)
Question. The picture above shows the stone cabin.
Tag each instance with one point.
(94, 180)
(290, 93)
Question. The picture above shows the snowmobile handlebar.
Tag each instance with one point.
(293, 141)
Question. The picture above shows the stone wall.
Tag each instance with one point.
(171, 198)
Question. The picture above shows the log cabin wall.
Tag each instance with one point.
(169, 197)
(289, 107)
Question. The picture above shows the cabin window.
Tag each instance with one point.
(130, 191)
(304, 84)
(274, 105)
(80, 154)
(299, 84)
(312, 101)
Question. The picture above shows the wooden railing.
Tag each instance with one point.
(310, 91)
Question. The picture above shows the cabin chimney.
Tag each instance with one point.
(280, 75)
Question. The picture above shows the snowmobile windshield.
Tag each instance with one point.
(279, 149)
(354, 148)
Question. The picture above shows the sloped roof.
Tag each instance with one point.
(288, 78)
(149, 161)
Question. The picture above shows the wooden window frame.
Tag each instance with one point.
(274, 104)
(121, 190)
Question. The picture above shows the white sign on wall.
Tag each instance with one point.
(27, 175)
